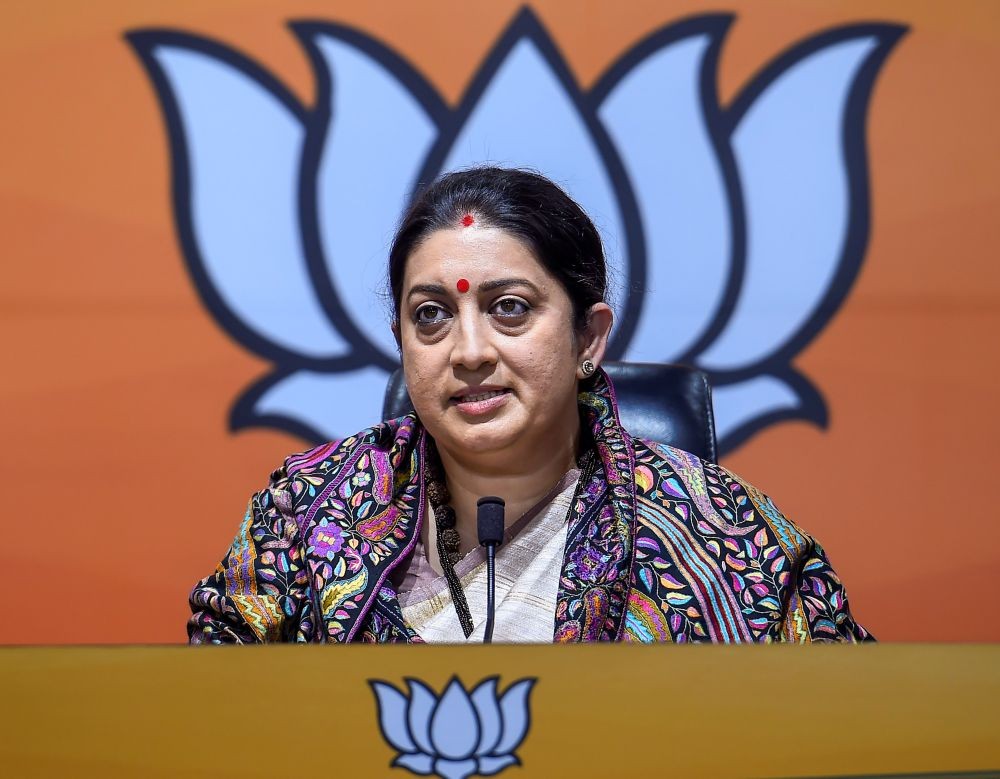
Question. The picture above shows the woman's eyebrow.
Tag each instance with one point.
(427, 289)
(489, 286)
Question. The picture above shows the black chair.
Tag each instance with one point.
(670, 404)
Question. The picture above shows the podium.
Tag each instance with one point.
(585, 711)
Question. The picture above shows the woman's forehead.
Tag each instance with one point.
(474, 253)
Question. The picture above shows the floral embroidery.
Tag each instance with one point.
(326, 539)
(589, 564)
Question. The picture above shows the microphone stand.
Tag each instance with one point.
(491, 592)
(489, 524)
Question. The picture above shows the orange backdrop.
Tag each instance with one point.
(123, 483)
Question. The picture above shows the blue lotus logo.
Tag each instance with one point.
(459, 734)
(734, 233)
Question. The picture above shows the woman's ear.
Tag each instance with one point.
(395, 334)
(593, 340)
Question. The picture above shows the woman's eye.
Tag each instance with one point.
(510, 307)
(430, 314)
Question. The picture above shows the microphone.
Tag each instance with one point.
(489, 524)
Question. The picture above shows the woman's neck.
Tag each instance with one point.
(521, 485)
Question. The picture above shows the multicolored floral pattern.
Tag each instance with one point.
(661, 546)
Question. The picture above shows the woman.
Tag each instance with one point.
(498, 283)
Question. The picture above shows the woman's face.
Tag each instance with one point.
(489, 352)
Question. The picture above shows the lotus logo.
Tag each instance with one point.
(459, 735)
(734, 233)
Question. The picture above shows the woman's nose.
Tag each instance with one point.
(473, 346)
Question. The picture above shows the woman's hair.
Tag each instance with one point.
(523, 204)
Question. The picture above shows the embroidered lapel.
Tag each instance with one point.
(597, 568)
(361, 524)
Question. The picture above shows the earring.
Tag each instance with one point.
(588, 367)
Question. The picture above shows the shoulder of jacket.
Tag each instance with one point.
(722, 497)
(304, 474)
(328, 458)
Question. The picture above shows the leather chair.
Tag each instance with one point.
(670, 404)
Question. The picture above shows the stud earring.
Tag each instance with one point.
(588, 367)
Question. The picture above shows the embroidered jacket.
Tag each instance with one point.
(661, 546)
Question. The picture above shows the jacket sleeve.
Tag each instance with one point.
(815, 603)
(817, 607)
(257, 591)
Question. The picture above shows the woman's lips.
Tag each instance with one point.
(480, 403)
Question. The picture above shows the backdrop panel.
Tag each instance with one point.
(197, 198)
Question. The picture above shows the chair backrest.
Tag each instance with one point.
(669, 404)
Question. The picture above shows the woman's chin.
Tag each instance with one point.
(482, 437)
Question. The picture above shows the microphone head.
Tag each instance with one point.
(489, 520)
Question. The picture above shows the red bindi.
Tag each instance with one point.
(467, 220)
(463, 285)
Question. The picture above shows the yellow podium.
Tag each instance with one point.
(510, 711)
